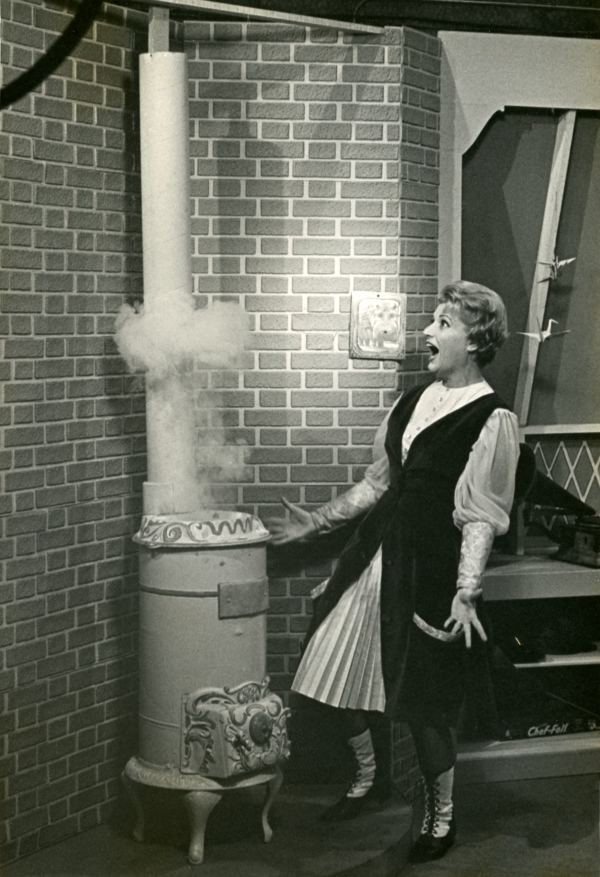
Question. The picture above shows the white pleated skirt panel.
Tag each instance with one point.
(342, 662)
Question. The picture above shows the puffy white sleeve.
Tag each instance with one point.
(485, 490)
(362, 496)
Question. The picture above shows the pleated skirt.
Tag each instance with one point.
(342, 662)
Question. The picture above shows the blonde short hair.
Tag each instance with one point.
(483, 312)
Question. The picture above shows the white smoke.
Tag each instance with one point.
(219, 461)
(175, 338)
(173, 335)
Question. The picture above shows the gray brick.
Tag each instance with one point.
(58, 152)
(20, 214)
(369, 228)
(54, 325)
(55, 196)
(22, 436)
(55, 109)
(323, 54)
(322, 73)
(273, 266)
(220, 51)
(24, 480)
(225, 207)
(370, 73)
(274, 188)
(272, 227)
(23, 392)
(271, 149)
(284, 72)
(276, 341)
(225, 130)
(359, 418)
(53, 496)
(17, 123)
(326, 169)
(275, 91)
(25, 654)
(22, 169)
(273, 110)
(322, 131)
(270, 52)
(284, 33)
(370, 113)
(374, 93)
(327, 437)
(320, 322)
(320, 285)
(279, 303)
(227, 90)
(272, 418)
(370, 151)
(316, 399)
(370, 190)
(333, 93)
(321, 247)
(319, 361)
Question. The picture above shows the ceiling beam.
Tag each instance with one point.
(248, 12)
(546, 18)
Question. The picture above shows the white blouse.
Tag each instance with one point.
(484, 491)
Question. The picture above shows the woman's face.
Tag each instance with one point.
(450, 352)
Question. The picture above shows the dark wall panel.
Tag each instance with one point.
(505, 182)
(505, 179)
(567, 380)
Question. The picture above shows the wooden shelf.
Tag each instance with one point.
(501, 760)
(578, 659)
(534, 577)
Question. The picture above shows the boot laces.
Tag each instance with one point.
(363, 778)
(432, 803)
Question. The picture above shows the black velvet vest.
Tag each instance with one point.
(414, 524)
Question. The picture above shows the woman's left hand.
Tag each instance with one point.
(463, 615)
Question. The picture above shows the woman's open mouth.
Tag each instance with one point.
(433, 350)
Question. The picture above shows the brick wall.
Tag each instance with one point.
(297, 154)
(73, 453)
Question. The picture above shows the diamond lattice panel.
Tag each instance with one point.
(573, 463)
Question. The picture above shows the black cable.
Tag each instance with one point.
(56, 54)
(356, 8)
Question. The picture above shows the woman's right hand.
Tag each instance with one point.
(298, 524)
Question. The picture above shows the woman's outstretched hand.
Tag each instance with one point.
(298, 524)
(463, 615)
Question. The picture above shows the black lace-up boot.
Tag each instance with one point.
(439, 828)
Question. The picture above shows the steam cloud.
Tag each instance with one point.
(173, 335)
(174, 338)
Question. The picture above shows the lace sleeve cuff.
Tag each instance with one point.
(344, 508)
(477, 539)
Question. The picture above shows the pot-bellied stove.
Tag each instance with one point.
(207, 720)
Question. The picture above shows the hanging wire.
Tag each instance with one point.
(56, 54)
(356, 8)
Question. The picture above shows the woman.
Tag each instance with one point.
(396, 627)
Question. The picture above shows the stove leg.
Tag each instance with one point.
(134, 796)
(199, 806)
(273, 787)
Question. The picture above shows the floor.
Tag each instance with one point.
(532, 828)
